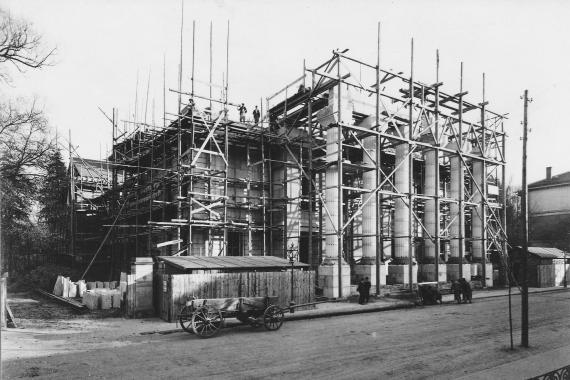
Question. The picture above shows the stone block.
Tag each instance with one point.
(91, 300)
(58, 287)
(66, 284)
(81, 288)
(106, 284)
(106, 300)
(72, 290)
(117, 297)
(400, 274)
(91, 285)
(489, 275)
(329, 280)
(123, 286)
(426, 273)
(366, 270)
(99, 284)
(112, 284)
(453, 272)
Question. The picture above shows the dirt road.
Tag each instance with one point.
(438, 341)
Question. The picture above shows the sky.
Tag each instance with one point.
(111, 52)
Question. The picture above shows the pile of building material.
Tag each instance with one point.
(102, 298)
(94, 294)
(104, 295)
(66, 288)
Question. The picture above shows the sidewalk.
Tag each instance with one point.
(344, 307)
(541, 363)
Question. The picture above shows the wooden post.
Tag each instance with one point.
(3, 295)
(437, 242)
(524, 211)
(378, 169)
(411, 175)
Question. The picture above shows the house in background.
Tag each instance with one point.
(549, 211)
(545, 266)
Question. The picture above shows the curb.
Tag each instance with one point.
(335, 313)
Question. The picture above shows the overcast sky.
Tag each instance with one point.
(104, 47)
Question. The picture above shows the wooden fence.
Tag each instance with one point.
(173, 290)
(545, 275)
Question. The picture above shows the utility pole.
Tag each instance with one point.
(524, 207)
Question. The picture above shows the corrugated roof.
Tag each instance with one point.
(547, 253)
(228, 262)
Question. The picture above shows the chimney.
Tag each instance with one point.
(549, 172)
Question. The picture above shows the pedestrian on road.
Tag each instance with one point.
(364, 291)
(242, 111)
(465, 290)
(456, 289)
(256, 115)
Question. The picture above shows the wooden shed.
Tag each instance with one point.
(177, 279)
(547, 266)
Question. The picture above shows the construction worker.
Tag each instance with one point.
(256, 115)
(242, 111)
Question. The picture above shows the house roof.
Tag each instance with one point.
(558, 179)
(228, 262)
(91, 168)
(546, 252)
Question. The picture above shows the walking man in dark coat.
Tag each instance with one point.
(466, 291)
(456, 289)
(364, 290)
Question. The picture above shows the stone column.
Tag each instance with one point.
(398, 270)
(457, 227)
(330, 270)
(478, 248)
(367, 265)
(431, 188)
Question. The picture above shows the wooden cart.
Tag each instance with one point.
(205, 317)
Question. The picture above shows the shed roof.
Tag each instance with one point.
(228, 262)
(546, 252)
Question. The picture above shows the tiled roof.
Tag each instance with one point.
(554, 180)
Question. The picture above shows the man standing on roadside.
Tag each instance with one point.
(364, 291)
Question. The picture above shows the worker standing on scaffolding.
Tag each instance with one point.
(256, 115)
(242, 111)
(191, 107)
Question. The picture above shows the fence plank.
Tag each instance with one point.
(233, 285)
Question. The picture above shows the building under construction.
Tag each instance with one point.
(356, 170)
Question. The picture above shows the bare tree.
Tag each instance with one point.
(24, 143)
(23, 139)
(20, 46)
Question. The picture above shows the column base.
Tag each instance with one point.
(427, 273)
(328, 279)
(453, 272)
(369, 270)
(400, 274)
(477, 270)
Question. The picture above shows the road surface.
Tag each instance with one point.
(446, 341)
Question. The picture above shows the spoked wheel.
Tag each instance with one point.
(185, 319)
(273, 318)
(207, 322)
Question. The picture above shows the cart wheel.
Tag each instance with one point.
(273, 318)
(207, 322)
(185, 319)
